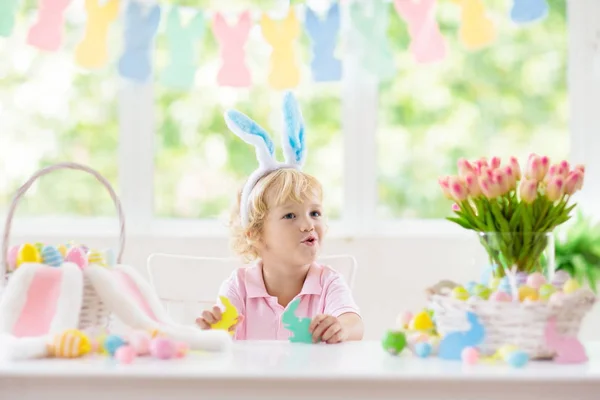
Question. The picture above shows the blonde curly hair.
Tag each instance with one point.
(271, 190)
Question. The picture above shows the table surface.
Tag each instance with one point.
(353, 361)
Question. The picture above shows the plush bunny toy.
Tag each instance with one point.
(293, 143)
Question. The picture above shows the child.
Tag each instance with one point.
(278, 222)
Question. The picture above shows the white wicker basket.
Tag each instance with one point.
(512, 323)
(94, 314)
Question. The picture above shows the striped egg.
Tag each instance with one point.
(51, 256)
(70, 344)
(28, 253)
(76, 256)
(96, 257)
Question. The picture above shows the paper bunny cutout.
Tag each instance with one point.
(427, 43)
(281, 35)
(526, 11)
(183, 41)
(232, 40)
(135, 62)
(8, 11)
(324, 34)
(293, 143)
(476, 30)
(92, 52)
(377, 57)
(46, 33)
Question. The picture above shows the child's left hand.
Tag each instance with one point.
(327, 328)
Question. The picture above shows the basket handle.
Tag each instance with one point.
(66, 165)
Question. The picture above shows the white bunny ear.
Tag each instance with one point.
(252, 133)
(294, 146)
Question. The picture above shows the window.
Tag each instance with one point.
(52, 110)
(507, 99)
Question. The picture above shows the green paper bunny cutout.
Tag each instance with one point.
(182, 42)
(371, 20)
(298, 326)
(8, 12)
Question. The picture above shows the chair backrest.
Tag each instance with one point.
(186, 285)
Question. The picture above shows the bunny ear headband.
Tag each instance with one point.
(293, 143)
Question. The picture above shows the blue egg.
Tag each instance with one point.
(470, 286)
(51, 256)
(517, 359)
(112, 343)
(422, 349)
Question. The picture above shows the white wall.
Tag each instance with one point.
(393, 271)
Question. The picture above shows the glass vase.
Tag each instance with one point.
(529, 252)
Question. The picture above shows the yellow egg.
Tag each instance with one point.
(527, 291)
(70, 344)
(96, 257)
(421, 322)
(28, 253)
(532, 297)
(570, 286)
(62, 249)
(506, 350)
(460, 293)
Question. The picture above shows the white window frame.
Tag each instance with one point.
(359, 110)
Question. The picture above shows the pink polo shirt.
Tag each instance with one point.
(324, 292)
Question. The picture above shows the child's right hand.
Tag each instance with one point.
(213, 316)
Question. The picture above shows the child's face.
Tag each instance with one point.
(292, 232)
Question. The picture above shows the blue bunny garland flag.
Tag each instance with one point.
(324, 35)
(527, 11)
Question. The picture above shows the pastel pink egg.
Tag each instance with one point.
(12, 257)
(536, 280)
(182, 349)
(125, 354)
(76, 256)
(556, 298)
(140, 342)
(501, 296)
(470, 355)
(163, 348)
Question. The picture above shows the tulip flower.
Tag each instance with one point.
(472, 184)
(574, 182)
(488, 187)
(443, 182)
(455, 207)
(495, 162)
(555, 188)
(514, 163)
(510, 177)
(536, 167)
(528, 190)
(465, 167)
(458, 190)
(581, 168)
(501, 182)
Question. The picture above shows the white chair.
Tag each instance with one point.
(186, 285)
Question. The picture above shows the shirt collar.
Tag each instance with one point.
(255, 284)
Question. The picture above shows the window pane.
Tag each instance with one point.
(51, 110)
(507, 99)
(200, 165)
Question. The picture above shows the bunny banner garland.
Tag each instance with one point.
(368, 20)
(293, 143)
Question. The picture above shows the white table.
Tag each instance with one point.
(283, 371)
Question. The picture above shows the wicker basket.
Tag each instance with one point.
(94, 314)
(511, 323)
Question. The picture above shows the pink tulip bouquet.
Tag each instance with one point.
(513, 212)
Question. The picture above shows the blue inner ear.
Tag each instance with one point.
(297, 145)
(294, 125)
(251, 128)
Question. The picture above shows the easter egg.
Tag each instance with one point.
(394, 342)
(140, 342)
(163, 348)
(76, 256)
(570, 286)
(526, 291)
(482, 292)
(501, 297)
(51, 256)
(521, 278)
(125, 354)
(460, 293)
(62, 249)
(532, 298)
(504, 285)
(403, 320)
(70, 344)
(28, 253)
(494, 283)
(517, 359)
(11, 258)
(470, 286)
(505, 350)
(536, 280)
(112, 343)
(421, 322)
(546, 290)
(96, 257)
(182, 349)
(469, 355)
(560, 277)
(423, 349)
